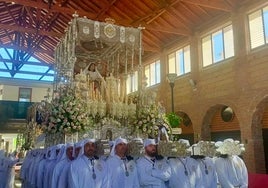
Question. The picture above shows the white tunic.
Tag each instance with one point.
(33, 171)
(232, 172)
(57, 172)
(3, 173)
(63, 178)
(183, 172)
(24, 172)
(49, 166)
(10, 173)
(206, 173)
(122, 173)
(40, 173)
(153, 174)
(82, 170)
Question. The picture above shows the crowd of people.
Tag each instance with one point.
(77, 166)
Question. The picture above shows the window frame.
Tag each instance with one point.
(29, 94)
(177, 64)
(156, 80)
(209, 33)
(252, 11)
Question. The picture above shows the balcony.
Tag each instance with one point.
(13, 115)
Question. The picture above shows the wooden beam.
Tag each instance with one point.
(154, 14)
(150, 38)
(105, 9)
(10, 13)
(151, 48)
(30, 30)
(163, 10)
(185, 21)
(176, 31)
(50, 53)
(214, 4)
(54, 8)
(40, 39)
(32, 21)
(61, 3)
(193, 13)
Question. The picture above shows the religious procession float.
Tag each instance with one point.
(92, 65)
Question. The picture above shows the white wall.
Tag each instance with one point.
(10, 93)
(11, 89)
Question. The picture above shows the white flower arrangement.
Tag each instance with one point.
(68, 114)
(110, 121)
(148, 119)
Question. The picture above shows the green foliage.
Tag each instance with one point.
(173, 119)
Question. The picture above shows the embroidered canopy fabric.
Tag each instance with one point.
(115, 48)
(101, 40)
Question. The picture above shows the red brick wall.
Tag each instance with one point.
(240, 82)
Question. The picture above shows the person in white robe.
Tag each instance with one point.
(153, 172)
(60, 173)
(33, 171)
(11, 161)
(34, 167)
(206, 175)
(77, 149)
(87, 170)
(183, 169)
(63, 178)
(231, 169)
(183, 172)
(31, 166)
(3, 170)
(24, 171)
(122, 169)
(7, 171)
(50, 164)
(40, 168)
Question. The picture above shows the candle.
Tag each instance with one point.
(126, 63)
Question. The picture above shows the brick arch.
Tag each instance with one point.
(207, 119)
(205, 127)
(186, 125)
(187, 131)
(259, 144)
(185, 115)
(257, 115)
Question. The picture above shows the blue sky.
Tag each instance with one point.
(5, 54)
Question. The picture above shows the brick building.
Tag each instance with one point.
(239, 82)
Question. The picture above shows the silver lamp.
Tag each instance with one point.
(171, 79)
